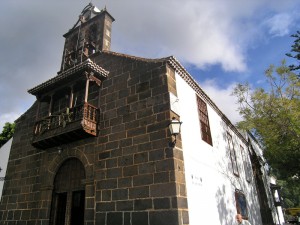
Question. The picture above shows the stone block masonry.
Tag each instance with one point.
(132, 176)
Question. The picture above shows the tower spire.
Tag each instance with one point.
(91, 33)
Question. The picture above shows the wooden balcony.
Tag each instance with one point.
(67, 126)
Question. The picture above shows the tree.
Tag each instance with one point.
(296, 52)
(7, 132)
(290, 192)
(273, 116)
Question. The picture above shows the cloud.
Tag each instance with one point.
(200, 33)
(191, 30)
(279, 24)
(223, 98)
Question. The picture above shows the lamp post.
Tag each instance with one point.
(174, 128)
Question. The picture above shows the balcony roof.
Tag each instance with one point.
(87, 65)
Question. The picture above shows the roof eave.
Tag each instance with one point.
(86, 65)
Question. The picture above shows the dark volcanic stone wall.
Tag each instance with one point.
(132, 175)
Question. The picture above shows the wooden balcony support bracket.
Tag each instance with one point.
(90, 76)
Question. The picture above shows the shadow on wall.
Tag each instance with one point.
(225, 215)
(225, 167)
(254, 206)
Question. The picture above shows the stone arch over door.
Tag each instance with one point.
(59, 159)
(68, 196)
(52, 163)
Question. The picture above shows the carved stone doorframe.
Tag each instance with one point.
(52, 168)
(68, 195)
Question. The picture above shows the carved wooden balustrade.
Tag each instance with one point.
(66, 126)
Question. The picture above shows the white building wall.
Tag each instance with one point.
(279, 213)
(210, 182)
(4, 155)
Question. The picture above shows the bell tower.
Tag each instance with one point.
(68, 104)
(91, 33)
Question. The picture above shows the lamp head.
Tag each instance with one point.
(175, 126)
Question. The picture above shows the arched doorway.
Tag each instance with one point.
(68, 198)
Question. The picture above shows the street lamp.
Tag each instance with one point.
(174, 128)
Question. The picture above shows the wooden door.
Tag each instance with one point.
(67, 206)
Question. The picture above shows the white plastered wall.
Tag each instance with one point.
(210, 182)
(4, 155)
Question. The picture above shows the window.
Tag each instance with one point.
(247, 167)
(232, 155)
(204, 122)
(241, 204)
(61, 100)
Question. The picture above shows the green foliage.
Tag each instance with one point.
(273, 116)
(295, 52)
(7, 132)
(290, 192)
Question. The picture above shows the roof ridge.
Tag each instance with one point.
(136, 57)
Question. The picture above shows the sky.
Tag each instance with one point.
(219, 42)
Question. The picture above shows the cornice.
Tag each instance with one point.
(181, 71)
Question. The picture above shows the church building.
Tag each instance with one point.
(115, 139)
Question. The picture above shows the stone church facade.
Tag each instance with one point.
(95, 147)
